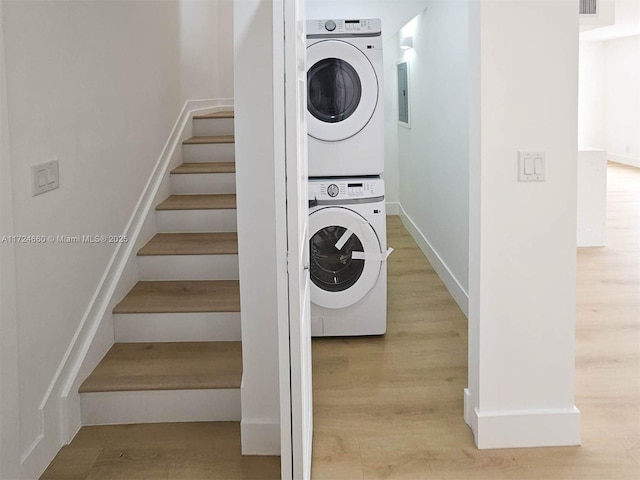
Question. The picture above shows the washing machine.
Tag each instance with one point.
(345, 116)
(348, 256)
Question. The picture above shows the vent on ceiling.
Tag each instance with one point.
(588, 7)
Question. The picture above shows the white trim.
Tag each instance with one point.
(60, 408)
(524, 428)
(448, 278)
(260, 437)
(633, 162)
(393, 208)
(9, 382)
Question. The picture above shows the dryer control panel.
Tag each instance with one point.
(345, 188)
(364, 26)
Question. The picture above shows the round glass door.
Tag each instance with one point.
(333, 90)
(335, 269)
(342, 90)
(345, 257)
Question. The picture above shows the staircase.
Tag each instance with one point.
(178, 356)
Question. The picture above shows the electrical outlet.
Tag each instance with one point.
(45, 177)
(531, 166)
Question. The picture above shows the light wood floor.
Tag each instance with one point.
(391, 407)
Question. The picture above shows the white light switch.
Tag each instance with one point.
(44, 177)
(531, 166)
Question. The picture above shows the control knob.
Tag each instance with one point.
(330, 25)
(333, 190)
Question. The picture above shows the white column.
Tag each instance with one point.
(259, 205)
(524, 77)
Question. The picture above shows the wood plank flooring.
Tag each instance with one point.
(209, 139)
(167, 366)
(181, 296)
(209, 167)
(199, 202)
(391, 407)
(215, 243)
(189, 451)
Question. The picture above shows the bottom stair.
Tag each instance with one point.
(156, 451)
(164, 382)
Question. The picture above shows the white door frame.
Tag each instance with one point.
(292, 220)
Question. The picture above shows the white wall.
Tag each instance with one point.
(206, 49)
(622, 105)
(391, 173)
(609, 98)
(591, 95)
(95, 85)
(433, 153)
(257, 246)
(523, 235)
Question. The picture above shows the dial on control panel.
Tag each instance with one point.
(330, 25)
(333, 190)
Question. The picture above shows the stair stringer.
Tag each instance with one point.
(60, 413)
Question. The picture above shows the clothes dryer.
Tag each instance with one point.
(348, 253)
(345, 117)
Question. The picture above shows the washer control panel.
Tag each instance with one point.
(349, 26)
(345, 188)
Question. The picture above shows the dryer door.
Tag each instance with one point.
(342, 90)
(345, 257)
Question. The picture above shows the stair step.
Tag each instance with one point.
(199, 202)
(223, 114)
(177, 327)
(202, 221)
(189, 267)
(181, 297)
(167, 366)
(210, 167)
(208, 140)
(208, 152)
(217, 243)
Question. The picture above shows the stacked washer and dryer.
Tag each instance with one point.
(347, 217)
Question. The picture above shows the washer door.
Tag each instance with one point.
(342, 90)
(345, 257)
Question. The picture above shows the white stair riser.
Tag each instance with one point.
(204, 183)
(208, 152)
(187, 221)
(109, 408)
(177, 327)
(188, 267)
(212, 126)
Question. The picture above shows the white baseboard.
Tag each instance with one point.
(60, 408)
(393, 208)
(523, 429)
(450, 281)
(260, 437)
(625, 160)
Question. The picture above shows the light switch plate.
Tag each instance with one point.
(531, 166)
(45, 177)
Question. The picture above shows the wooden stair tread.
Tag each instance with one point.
(167, 366)
(181, 297)
(223, 114)
(199, 202)
(218, 243)
(211, 167)
(207, 139)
